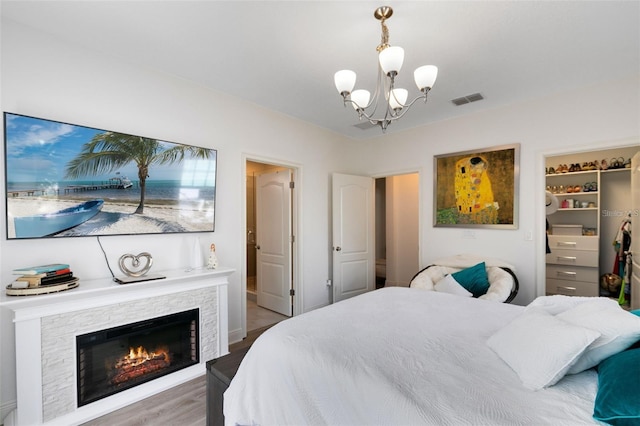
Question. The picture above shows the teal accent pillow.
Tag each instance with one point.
(474, 279)
(618, 397)
(636, 312)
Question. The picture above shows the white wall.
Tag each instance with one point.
(43, 78)
(402, 228)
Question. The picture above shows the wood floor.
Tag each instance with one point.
(183, 405)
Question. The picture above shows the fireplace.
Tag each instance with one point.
(112, 360)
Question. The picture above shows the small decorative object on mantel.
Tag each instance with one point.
(212, 262)
(42, 279)
(135, 263)
(137, 273)
(197, 258)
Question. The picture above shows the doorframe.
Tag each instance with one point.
(296, 220)
(540, 187)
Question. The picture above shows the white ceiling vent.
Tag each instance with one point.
(365, 125)
(467, 99)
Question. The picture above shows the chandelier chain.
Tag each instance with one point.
(384, 39)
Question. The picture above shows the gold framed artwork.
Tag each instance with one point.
(477, 188)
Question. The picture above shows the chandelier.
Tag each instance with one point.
(390, 60)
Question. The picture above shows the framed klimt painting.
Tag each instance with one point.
(477, 188)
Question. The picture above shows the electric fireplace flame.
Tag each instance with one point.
(139, 362)
(116, 359)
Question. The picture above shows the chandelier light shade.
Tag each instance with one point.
(360, 98)
(398, 99)
(390, 59)
(424, 76)
(345, 81)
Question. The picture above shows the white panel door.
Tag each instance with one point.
(635, 238)
(273, 241)
(353, 236)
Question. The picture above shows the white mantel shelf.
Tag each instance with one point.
(102, 292)
(97, 295)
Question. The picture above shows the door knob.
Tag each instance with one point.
(257, 247)
(338, 248)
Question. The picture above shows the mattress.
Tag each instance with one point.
(396, 356)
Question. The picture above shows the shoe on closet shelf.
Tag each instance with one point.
(616, 163)
(627, 163)
(604, 165)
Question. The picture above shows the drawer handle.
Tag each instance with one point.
(571, 289)
(567, 243)
(568, 258)
(567, 274)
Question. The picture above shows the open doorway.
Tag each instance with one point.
(269, 244)
(397, 229)
(588, 203)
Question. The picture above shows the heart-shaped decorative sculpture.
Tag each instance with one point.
(135, 264)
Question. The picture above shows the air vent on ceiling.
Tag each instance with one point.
(467, 99)
(365, 125)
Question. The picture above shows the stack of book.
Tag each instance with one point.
(44, 279)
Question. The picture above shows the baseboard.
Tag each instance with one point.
(235, 336)
(6, 409)
(313, 308)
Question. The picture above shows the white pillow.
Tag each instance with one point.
(539, 347)
(449, 285)
(619, 329)
(559, 303)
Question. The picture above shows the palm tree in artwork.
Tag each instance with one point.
(110, 151)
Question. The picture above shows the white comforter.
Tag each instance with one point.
(396, 356)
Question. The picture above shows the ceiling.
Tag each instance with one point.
(282, 55)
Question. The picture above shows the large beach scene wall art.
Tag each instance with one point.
(65, 180)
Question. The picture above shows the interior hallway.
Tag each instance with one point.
(258, 317)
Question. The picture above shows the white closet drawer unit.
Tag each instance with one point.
(573, 257)
(572, 265)
(573, 273)
(572, 288)
(576, 242)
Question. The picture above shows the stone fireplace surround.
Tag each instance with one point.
(46, 327)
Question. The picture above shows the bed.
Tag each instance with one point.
(403, 356)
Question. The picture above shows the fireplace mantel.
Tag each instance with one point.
(88, 307)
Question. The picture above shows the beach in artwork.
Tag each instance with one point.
(117, 218)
